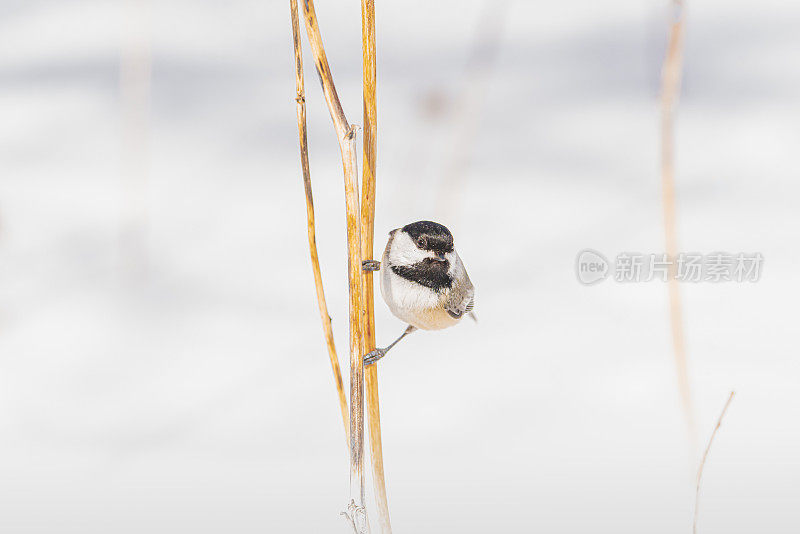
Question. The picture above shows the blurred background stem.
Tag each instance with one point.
(670, 90)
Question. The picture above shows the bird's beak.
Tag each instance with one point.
(440, 256)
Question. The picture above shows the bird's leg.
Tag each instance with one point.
(377, 354)
(370, 265)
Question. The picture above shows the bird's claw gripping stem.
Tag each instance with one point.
(374, 356)
(370, 265)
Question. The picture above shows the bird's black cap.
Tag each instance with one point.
(435, 236)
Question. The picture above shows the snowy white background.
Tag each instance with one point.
(181, 384)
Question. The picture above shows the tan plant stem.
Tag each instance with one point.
(347, 144)
(367, 238)
(312, 240)
(670, 87)
(703, 461)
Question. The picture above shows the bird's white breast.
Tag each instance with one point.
(411, 302)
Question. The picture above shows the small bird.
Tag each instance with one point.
(423, 280)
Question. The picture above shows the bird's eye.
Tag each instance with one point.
(422, 242)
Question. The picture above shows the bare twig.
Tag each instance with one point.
(312, 240)
(703, 461)
(346, 137)
(670, 88)
(367, 237)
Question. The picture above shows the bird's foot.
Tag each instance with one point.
(370, 265)
(374, 356)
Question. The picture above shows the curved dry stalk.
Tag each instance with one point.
(312, 240)
(367, 238)
(703, 462)
(347, 141)
(670, 87)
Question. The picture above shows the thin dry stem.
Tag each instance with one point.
(367, 237)
(312, 240)
(346, 136)
(703, 461)
(671, 81)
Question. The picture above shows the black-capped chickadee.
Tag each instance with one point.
(423, 280)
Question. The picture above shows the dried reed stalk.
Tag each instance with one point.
(367, 237)
(703, 462)
(356, 511)
(670, 87)
(312, 240)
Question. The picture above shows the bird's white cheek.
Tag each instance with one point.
(404, 251)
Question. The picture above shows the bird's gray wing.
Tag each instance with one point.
(461, 298)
